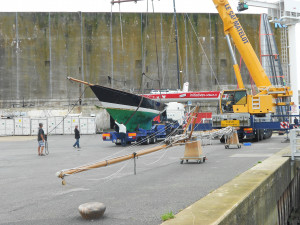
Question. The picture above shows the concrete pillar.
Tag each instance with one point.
(294, 49)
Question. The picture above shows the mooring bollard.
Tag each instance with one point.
(92, 210)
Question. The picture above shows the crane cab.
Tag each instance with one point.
(233, 101)
(238, 101)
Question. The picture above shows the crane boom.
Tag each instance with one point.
(233, 27)
(239, 101)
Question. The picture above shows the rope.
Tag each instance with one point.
(227, 131)
(112, 176)
(69, 111)
(78, 168)
(109, 157)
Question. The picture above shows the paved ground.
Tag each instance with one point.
(32, 194)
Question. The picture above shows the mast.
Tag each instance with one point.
(176, 39)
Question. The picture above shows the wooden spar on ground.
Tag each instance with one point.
(63, 173)
(79, 81)
(107, 162)
(103, 163)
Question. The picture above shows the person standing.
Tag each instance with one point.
(41, 140)
(77, 136)
(296, 122)
(122, 132)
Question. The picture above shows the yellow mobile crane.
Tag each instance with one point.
(237, 107)
(238, 101)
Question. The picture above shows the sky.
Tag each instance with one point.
(188, 6)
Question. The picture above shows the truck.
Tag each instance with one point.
(252, 115)
(163, 126)
(158, 132)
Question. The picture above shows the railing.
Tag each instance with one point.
(295, 143)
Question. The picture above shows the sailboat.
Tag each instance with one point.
(130, 109)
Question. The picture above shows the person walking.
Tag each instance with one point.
(41, 140)
(296, 121)
(122, 132)
(77, 136)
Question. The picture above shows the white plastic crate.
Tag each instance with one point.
(7, 127)
(87, 125)
(56, 125)
(35, 125)
(69, 124)
(22, 126)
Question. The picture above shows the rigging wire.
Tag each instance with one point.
(150, 77)
(145, 40)
(193, 61)
(168, 48)
(112, 79)
(113, 175)
(133, 145)
(121, 28)
(141, 85)
(75, 104)
(199, 42)
(157, 64)
(111, 48)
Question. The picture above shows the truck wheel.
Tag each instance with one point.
(261, 133)
(147, 142)
(153, 140)
(268, 134)
(257, 136)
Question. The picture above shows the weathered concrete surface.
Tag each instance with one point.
(39, 50)
(249, 199)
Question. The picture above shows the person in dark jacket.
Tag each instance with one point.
(296, 121)
(41, 140)
(77, 136)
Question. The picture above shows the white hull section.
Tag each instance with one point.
(128, 107)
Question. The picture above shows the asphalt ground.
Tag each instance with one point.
(32, 194)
